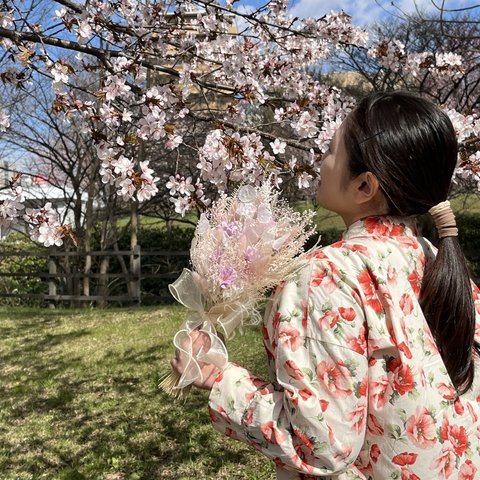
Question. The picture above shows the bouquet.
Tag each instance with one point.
(244, 244)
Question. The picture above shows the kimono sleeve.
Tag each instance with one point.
(312, 418)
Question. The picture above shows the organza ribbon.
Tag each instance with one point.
(228, 316)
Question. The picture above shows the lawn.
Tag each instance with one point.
(80, 400)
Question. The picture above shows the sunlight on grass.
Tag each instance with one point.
(80, 400)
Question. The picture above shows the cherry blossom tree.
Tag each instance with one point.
(157, 67)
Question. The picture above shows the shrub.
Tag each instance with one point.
(16, 242)
(150, 239)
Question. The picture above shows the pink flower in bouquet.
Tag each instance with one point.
(231, 229)
(249, 253)
(226, 276)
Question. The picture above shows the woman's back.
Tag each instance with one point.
(416, 425)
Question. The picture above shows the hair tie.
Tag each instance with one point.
(444, 219)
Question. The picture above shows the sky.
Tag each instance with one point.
(364, 11)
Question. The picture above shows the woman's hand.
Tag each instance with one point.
(200, 340)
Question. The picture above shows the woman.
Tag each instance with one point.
(372, 349)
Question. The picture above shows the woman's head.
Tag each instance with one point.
(408, 143)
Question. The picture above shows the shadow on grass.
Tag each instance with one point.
(63, 417)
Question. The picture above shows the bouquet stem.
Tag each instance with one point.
(169, 380)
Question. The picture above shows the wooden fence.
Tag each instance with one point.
(79, 281)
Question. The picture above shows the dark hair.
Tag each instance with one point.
(410, 145)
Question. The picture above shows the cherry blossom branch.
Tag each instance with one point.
(266, 135)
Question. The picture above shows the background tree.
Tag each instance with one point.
(233, 88)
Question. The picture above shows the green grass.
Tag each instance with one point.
(80, 400)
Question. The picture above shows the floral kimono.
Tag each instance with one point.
(358, 389)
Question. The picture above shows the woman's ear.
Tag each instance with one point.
(366, 188)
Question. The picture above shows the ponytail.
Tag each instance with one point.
(447, 303)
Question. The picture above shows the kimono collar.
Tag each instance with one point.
(382, 226)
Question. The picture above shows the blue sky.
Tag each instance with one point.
(364, 11)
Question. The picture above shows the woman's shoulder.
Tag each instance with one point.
(342, 254)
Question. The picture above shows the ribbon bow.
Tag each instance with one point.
(227, 315)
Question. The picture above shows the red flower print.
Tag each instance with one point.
(230, 433)
(356, 296)
(374, 452)
(338, 244)
(402, 376)
(369, 285)
(444, 428)
(375, 226)
(406, 474)
(373, 425)
(455, 434)
(408, 241)
(430, 345)
(445, 462)
(290, 336)
(362, 387)
(446, 391)
(405, 458)
(383, 227)
(328, 320)
(357, 415)
(271, 433)
(321, 278)
(458, 438)
(355, 247)
(213, 416)
(357, 344)
(472, 413)
(415, 282)
(248, 416)
(302, 437)
(304, 314)
(420, 428)
(276, 320)
(305, 393)
(391, 274)
(467, 471)
(292, 370)
(324, 404)
(347, 313)
(396, 230)
(379, 390)
(318, 253)
(331, 436)
(406, 304)
(335, 377)
(458, 406)
(403, 347)
(423, 379)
